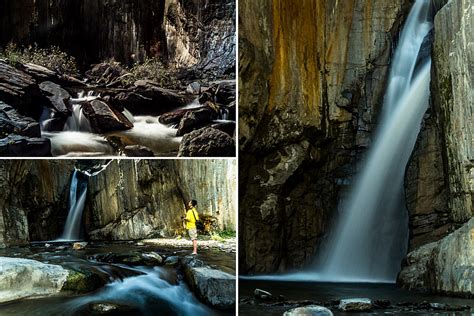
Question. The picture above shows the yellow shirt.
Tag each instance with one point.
(190, 221)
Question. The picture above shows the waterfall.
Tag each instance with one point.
(371, 236)
(77, 199)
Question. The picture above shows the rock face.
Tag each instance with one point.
(22, 278)
(185, 32)
(309, 96)
(440, 176)
(440, 181)
(131, 199)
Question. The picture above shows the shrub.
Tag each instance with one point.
(52, 58)
(155, 70)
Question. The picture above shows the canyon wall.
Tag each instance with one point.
(130, 199)
(311, 82)
(440, 179)
(185, 33)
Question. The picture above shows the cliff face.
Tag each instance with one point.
(131, 199)
(184, 32)
(440, 181)
(309, 96)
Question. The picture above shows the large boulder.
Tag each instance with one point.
(149, 99)
(13, 122)
(22, 278)
(193, 120)
(207, 142)
(104, 118)
(214, 287)
(22, 146)
(445, 266)
(58, 97)
(20, 91)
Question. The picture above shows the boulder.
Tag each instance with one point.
(13, 122)
(172, 261)
(311, 310)
(104, 118)
(193, 120)
(82, 281)
(149, 99)
(172, 118)
(262, 295)
(355, 305)
(22, 278)
(207, 142)
(194, 88)
(226, 127)
(21, 146)
(137, 151)
(58, 97)
(79, 245)
(214, 287)
(224, 91)
(20, 90)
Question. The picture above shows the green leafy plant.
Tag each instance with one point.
(153, 69)
(52, 58)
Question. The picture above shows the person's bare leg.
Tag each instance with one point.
(195, 247)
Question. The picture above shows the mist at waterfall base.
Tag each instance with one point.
(370, 236)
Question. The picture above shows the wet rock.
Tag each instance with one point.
(226, 127)
(11, 122)
(312, 310)
(382, 303)
(152, 258)
(82, 281)
(193, 88)
(263, 295)
(207, 142)
(58, 97)
(224, 91)
(20, 90)
(149, 99)
(193, 120)
(355, 305)
(21, 146)
(132, 258)
(172, 118)
(105, 119)
(138, 151)
(79, 245)
(22, 278)
(172, 261)
(111, 309)
(214, 287)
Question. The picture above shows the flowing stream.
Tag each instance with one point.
(370, 237)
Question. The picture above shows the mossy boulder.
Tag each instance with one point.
(82, 281)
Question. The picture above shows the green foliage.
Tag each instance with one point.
(153, 69)
(223, 235)
(52, 58)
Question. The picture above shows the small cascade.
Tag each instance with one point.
(77, 199)
(78, 122)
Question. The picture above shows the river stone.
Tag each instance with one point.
(214, 287)
(172, 261)
(207, 142)
(13, 122)
(193, 120)
(81, 280)
(79, 245)
(262, 295)
(58, 97)
(107, 308)
(311, 310)
(104, 118)
(355, 305)
(152, 258)
(193, 88)
(22, 278)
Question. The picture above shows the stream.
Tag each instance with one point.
(139, 290)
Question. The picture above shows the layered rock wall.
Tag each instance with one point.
(130, 199)
(440, 178)
(184, 32)
(311, 78)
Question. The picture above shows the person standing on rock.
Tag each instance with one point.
(191, 218)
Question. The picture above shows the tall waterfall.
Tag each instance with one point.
(77, 199)
(371, 236)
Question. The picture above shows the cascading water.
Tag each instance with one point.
(370, 238)
(77, 199)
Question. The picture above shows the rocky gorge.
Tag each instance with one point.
(156, 80)
(128, 235)
(310, 98)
